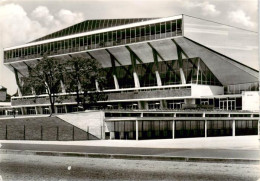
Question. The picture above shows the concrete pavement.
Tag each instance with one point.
(218, 149)
(237, 142)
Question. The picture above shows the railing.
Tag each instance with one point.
(238, 88)
(38, 100)
(146, 94)
(112, 95)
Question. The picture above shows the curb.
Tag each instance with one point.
(132, 157)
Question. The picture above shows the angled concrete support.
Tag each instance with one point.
(18, 82)
(113, 63)
(183, 80)
(116, 82)
(155, 58)
(63, 90)
(134, 57)
(180, 52)
(136, 80)
(158, 78)
(198, 71)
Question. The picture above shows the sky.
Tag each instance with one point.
(24, 20)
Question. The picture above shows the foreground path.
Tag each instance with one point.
(175, 152)
(20, 167)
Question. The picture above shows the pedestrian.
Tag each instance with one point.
(14, 112)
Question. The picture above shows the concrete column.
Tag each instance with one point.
(116, 82)
(136, 129)
(206, 128)
(146, 105)
(259, 126)
(79, 87)
(40, 110)
(33, 91)
(56, 109)
(36, 110)
(173, 129)
(22, 110)
(50, 109)
(66, 110)
(136, 80)
(19, 92)
(205, 125)
(234, 128)
(63, 90)
(139, 105)
(183, 80)
(163, 104)
(97, 86)
(173, 126)
(158, 78)
(112, 135)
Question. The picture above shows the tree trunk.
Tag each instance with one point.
(51, 97)
(77, 94)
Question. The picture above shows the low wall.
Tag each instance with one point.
(89, 121)
(41, 128)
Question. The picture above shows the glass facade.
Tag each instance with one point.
(238, 88)
(246, 127)
(219, 128)
(105, 39)
(160, 129)
(90, 25)
(185, 129)
(169, 72)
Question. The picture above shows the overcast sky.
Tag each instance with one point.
(24, 20)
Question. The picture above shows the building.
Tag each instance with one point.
(159, 81)
(5, 104)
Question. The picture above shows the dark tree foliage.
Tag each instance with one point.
(46, 76)
(81, 77)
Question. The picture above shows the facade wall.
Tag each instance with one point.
(3, 95)
(250, 101)
(206, 90)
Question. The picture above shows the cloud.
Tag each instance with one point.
(18, 27)
(207, 9)
(240, 17)
(69, 17)
(42, 14)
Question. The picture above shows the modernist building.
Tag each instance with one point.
(160, 83)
